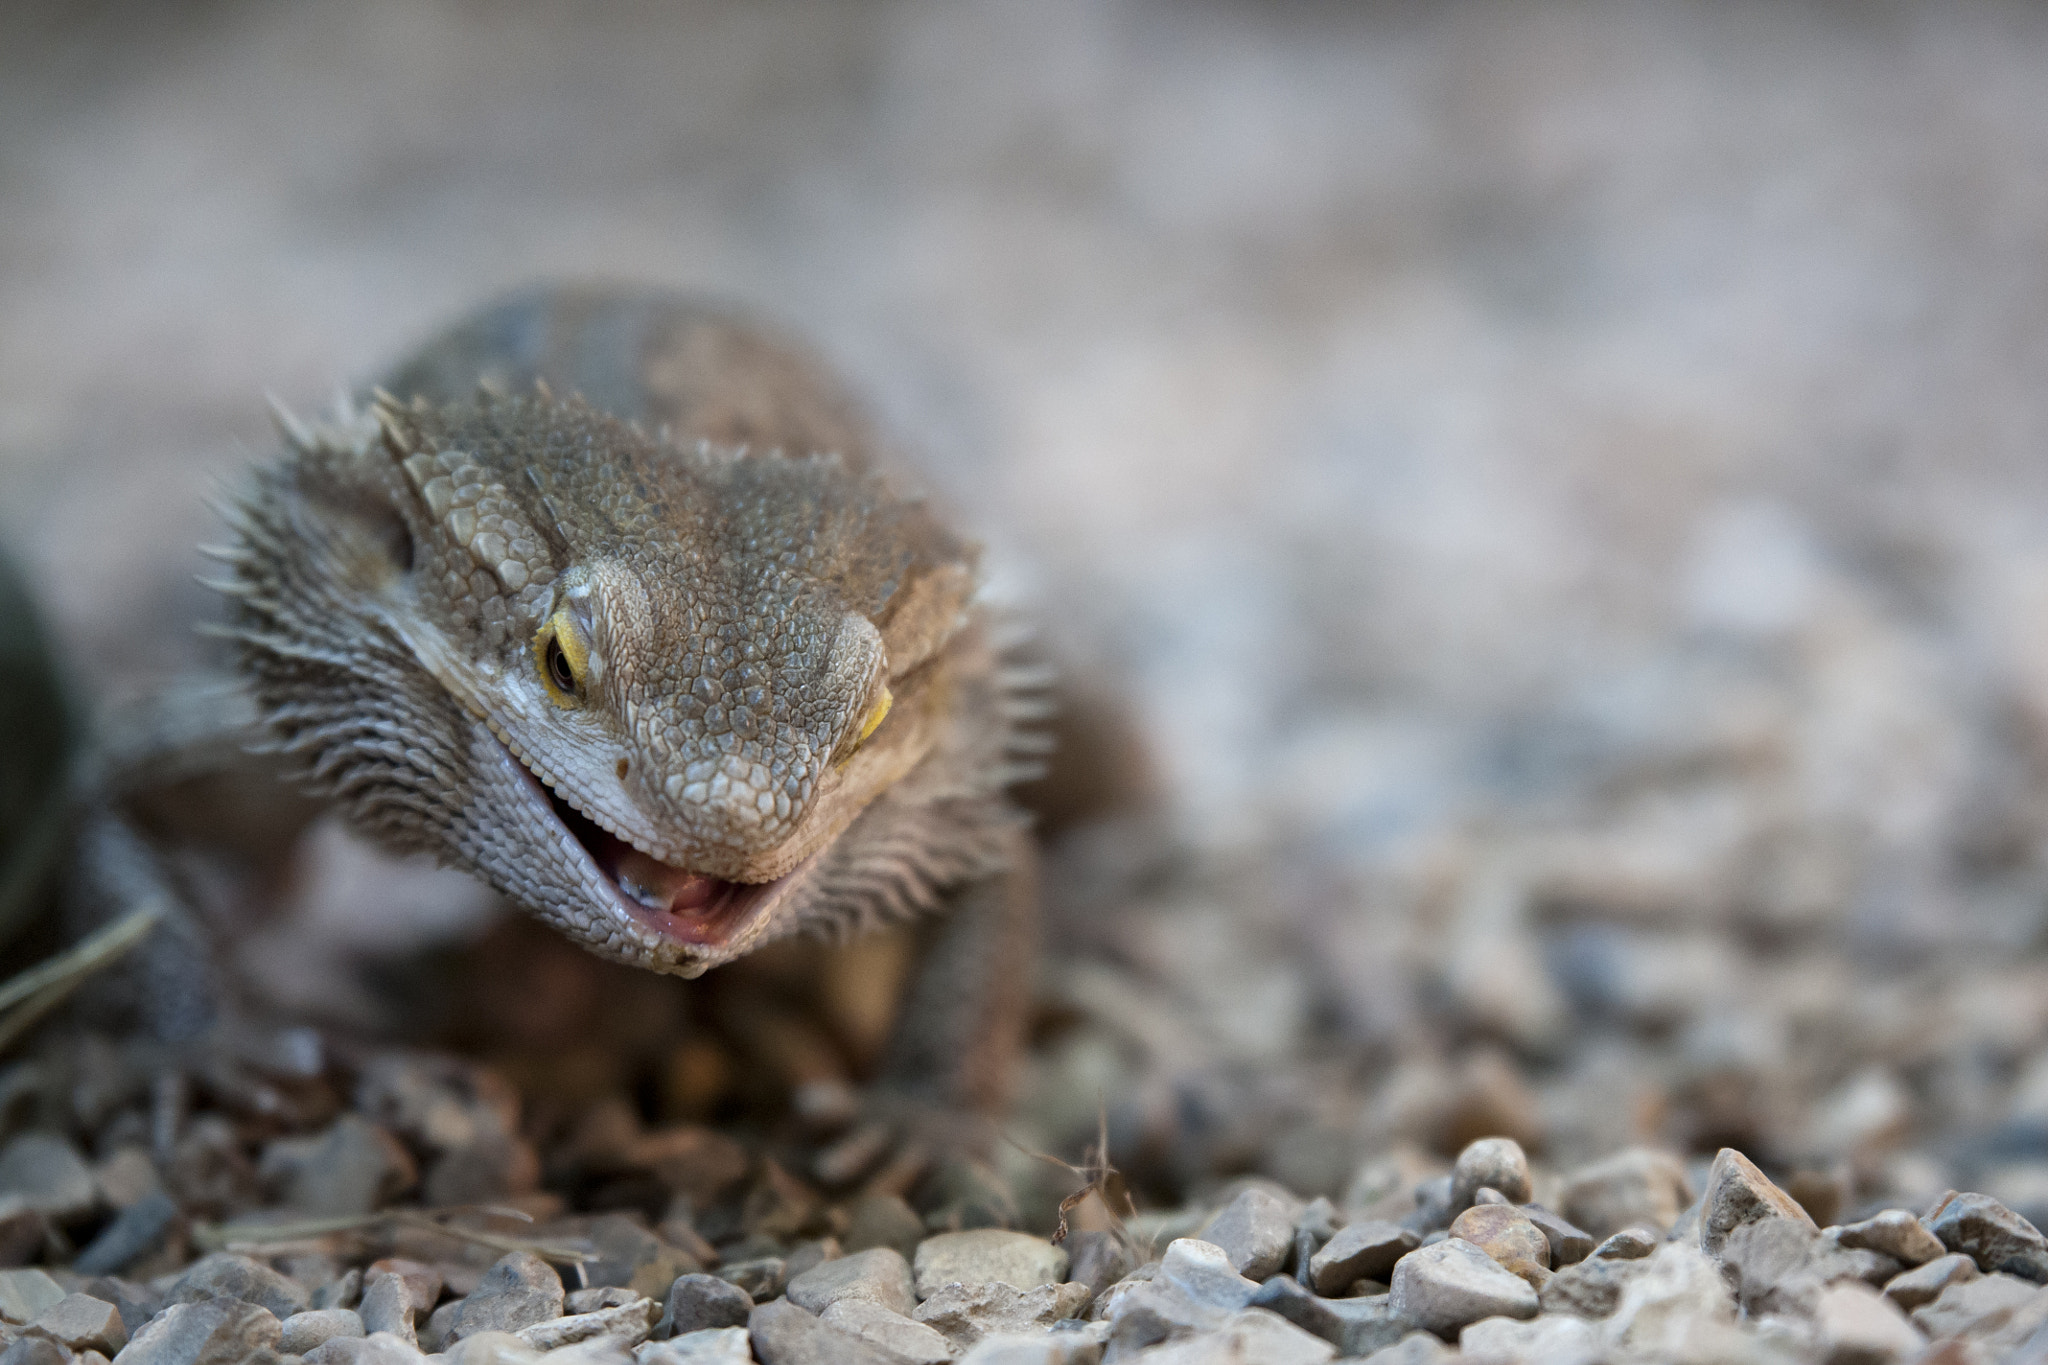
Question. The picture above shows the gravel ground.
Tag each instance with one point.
(1558, 487)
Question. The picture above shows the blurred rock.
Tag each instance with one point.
(698, 1303)
(986, 1254)
(889, 1330)
(1639, 1188)
(1992, 1235)
(1924, 1284)
(1255, 1230)
(1453, 1283)
(1493, 1163)
(518, 1291)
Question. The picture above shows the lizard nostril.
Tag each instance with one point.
(623, 767)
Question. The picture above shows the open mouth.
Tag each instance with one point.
(676, 903)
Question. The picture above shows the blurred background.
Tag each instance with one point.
(1558, 487)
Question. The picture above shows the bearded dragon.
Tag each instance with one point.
(605, 596)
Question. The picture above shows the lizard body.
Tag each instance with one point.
(604, 597)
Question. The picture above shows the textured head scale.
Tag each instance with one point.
(636, 686)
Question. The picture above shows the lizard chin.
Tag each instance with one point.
(675, 903)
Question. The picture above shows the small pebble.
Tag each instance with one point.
(83, 1323)
(888, 1329)
(516, 1292)
(1446, 1286)
(1358, 1251)
(304, 1331)
(1495, 1163)
(1990, 1234)
(702, 1303)
(1925, 1283)
(985, 1254)
(1255, 1230)
(879, 1275)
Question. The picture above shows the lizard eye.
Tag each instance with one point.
(562, 658)
(868, 725)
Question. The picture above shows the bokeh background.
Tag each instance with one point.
(1559, 487)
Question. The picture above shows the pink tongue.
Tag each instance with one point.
(658, 886)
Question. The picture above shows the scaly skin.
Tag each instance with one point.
(677, 695)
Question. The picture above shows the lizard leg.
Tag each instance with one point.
(947, 1069)
(961, 1025)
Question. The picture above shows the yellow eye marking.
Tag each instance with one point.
(870, 723)
(562, 658)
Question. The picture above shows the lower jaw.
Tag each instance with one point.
(690, 909)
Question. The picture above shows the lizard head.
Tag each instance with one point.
(638, 687)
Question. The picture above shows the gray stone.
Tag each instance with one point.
(48, 1175)
(1503, 1233)
(439, 1333)
(1353, 1326)
(987, 1254)
(1098, 1259)
(698, 1303)
(783, 1334)
(1283, 1294)
(1444, 1287)
(1496, 1163)
(965, 1313)
(627, 1325)
(1417, 1348)
(1630, 1244)
(762, 1277)
(304, 1331)
(219, 1331)
(631, 1257)
(1360, 1251)
(224, 1275)
(1590, 1289)
(1202, 1272)
(138, 1302)
(343, 1291)
(1033, 1348)
(1433, 1211)
(711, 1346)
(490, 1348)
(1974, 1306)
(1255, 1230)
(135, 1232)
(83, 1323)
(422, 1283)
(25, 1293)
(1738, 1193)
(884, 1327)
(1990, 1234)
(883, 1220)
(1858, 1326)
(378, 1348)
(1250, 1335)
(1568, 1243)
(1553, 1340)
(1925, 1283)
(594, 1300)
(1316, 1225)
(1895, 1233)
(386, 1307)
(879, 1275)
(518, 1291)
(1675, 1301)
(1637, 1188)
(35, 1350)
(356, 1167)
